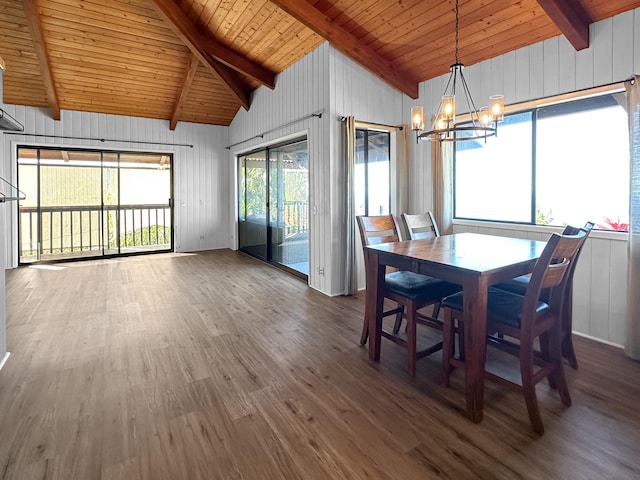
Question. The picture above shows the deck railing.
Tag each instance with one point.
(296, 217)
(71, 230)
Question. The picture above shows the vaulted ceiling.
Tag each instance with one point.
(199, 60)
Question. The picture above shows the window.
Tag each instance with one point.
(554, 165)
(372, 172)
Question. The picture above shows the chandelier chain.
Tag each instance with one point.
(457, 59)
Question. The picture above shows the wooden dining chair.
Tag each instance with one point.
(421, 225)
(525, 318)
(519, 285)
(411, 291)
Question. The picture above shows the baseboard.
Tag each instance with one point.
(600, 340)
(4, 360)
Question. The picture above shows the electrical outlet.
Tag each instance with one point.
(201, 237)
(321, 271)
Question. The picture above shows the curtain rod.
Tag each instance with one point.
(98, 139)
(373, 124)
(261, 135)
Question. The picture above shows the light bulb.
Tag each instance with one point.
(497, 107)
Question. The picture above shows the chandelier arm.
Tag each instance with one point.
(470, 102)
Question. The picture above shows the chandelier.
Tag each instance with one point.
(481, 124)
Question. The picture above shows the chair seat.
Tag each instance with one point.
(416, 286)
(502, 306)
(517, 285)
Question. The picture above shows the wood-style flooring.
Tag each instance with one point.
(216, 366)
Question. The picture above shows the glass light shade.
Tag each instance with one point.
(417, 118)
(440, 123)
(497, 107)
(448, 108)
(485, 116)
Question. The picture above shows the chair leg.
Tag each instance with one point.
(545, 353)
(436, 310)
(412, 339)
(398, 322)
(557, 377)
(460, 328)
(365, 332)
(567, 338)
(568, 352)
(528, 387)
(448, 338)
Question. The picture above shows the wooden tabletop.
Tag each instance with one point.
(471, 252)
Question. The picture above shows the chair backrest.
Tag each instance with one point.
(552, 271)
(571, 230)
(377, 229)
(422, 225)
(587, 230)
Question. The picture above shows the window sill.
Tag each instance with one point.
(603, 234)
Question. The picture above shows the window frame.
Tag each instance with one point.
(534, 106)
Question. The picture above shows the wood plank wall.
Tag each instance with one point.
(550, 68)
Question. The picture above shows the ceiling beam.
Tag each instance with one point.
(238, 63)
(350, 45)
(184, 91)
(35, 24)
(572, 20)
(213, 54)
(187, 32)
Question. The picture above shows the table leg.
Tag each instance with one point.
(475, 330)
(374, 302)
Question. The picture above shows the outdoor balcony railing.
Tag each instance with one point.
(72, 231)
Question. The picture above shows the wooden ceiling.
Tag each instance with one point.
(199, 60)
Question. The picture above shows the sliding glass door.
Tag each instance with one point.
(86, 203)
(273, 205)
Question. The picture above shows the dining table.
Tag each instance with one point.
(474, 261)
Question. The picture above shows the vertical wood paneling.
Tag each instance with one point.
(523, 74)
(603, 52)
(536, 71)
(582, 290)
(623, 46)
(510, 77)
(618, 265)
(584, 66)
(551, 54)
(599, 291)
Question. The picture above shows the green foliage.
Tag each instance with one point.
(153, 235)
(543, 218)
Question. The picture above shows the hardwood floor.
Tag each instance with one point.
(216, 366)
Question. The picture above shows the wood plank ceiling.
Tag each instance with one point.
(199, 60)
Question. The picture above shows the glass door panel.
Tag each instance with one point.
(252, 204)
(145, 210)
(289, 205)
(29, 233)
(69, 186)
(110, 202)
